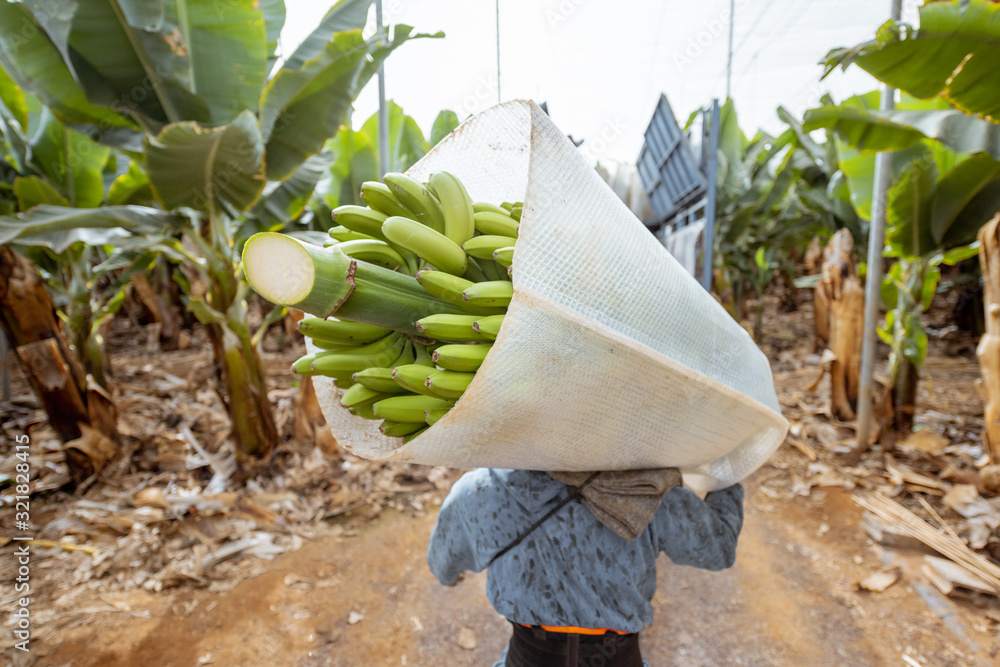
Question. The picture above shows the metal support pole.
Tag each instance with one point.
(729, 59)
(713, 177)
(383, 110)
(873, 280)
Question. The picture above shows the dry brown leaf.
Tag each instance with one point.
(925, 440)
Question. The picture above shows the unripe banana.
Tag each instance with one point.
(413, 377)
(507, 206)
(335, 330)
(492, 293)
(415, 434)
(517, 211)
(483, 247)
(360, 219)
(366, 411)
(434, 416)
(482, 207)
(378, 353)
(449, 384)
(409, 408)
(423, 241)
(494, 224)
(375, 251)
(340, 345)
(504, 256)
(339, 234)
(449, 327)
(448, 288)
(488, 327)
(359, 395)
(456, 205)
(378, 379)
(465, 358)
(399, 429)
(379, 197)
(416, 197)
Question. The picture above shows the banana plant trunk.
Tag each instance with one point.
(907, 332)
(54, 370)
(988, 350)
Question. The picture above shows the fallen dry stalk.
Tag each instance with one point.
(947, 545)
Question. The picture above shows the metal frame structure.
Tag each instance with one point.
(679, 184)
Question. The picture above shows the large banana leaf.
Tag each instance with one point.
(953, 223)
(301, 108)
(70, 161)
(908, 209)
(273, 12)
(35, 63)
(175, 60)
(132, 187)
(189, 165)
(343, 16)
(32, 191)
(871, 130)
(58, 227)
(859, 170)
(953, 53)
(407, 143)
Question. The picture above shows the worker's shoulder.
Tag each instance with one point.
(483, 482)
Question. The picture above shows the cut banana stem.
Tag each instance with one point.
(449, 327)
(459, 223)
(449, 384)
(491, 293)
(379, 197)
(488, 327)
(483, 247)
(289, 272)
(465, 358)
(428, 244)
(399, 429)
(409, 408)
(413, 377)
(416, 197)
(495, 224)
(504, 256)
(336, 330)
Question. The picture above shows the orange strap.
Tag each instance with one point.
(569, 629)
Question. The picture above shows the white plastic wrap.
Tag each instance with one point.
(611, 355)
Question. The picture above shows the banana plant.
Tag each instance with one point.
(197, 94)
(356, 157)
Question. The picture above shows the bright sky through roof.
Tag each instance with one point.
(601, 65)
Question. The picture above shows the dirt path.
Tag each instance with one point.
(790, 600)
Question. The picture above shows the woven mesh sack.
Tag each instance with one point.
(611, 356)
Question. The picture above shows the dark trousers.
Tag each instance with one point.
(534, 647)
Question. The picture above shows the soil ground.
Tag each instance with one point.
(362, 595)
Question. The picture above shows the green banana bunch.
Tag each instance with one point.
(449, 288)
(379, 353)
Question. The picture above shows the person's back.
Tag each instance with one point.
(572, 574)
